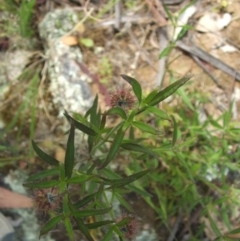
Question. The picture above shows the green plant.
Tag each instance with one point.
(130, 4)
(105, 70)
(94, 179)
(25, 15)
(178, 28)
(17, 18)
(195, 173)
(193, 170)
(19, 115)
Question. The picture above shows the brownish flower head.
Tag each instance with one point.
(122, 98)
(46, 200)
(132, 228)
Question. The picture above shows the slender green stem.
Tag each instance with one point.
(109, 204)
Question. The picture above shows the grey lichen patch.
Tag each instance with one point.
(13, 64)
(11, 67)
(69, 85)
(149, 235)
(57, 23)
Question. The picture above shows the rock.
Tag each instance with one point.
(213, 22)
(69, 85)
(14, 63)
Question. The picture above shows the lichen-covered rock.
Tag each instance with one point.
(69, 85)
(11, 68)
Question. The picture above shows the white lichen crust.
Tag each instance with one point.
(68, 84)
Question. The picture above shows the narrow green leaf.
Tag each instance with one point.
(93, 166)
(109, 132)
(227, 118)
(225, 216)
(163, 94)
(43, 184)
(80, 179)
(215, 123)
(128, 145)
(185, 98)
(123, 202)
(188, 143)
(90, 141)
(83, 228)
(235, 231)
(44, 156)
(163, 204)
(103, 122)
(119, 233)
(213, 225)
(91, 212)
(137, 89)
(163, 147)
(175, 131)
(50, 224)
(94, 117)
(169, 14)
(123, 222)
(25, 12)
(84, 201)
(126, 180)
(117, 111)
(62, 172)
(94, 120)
(183, 9)
(139, 191)
(99, 224)
(223, 238)
(145, 127)
(150, 96)
(159, 113)
(11, 6)
(133, 113)
(131, 133)
(114, 147)
(83, 119)
(166, 51)
(110, 173)
(108, 236)
(99, 192)
(183, 31)
(65, 202)
(43, 174)
(85, 129)
(132, 178)
(69, 228)
(139, 111)
(70, 152)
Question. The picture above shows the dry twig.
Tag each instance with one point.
(175, 227)
(163, 43)
(142, 51)
(193, 50)
(118, 14)
(157, 11)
